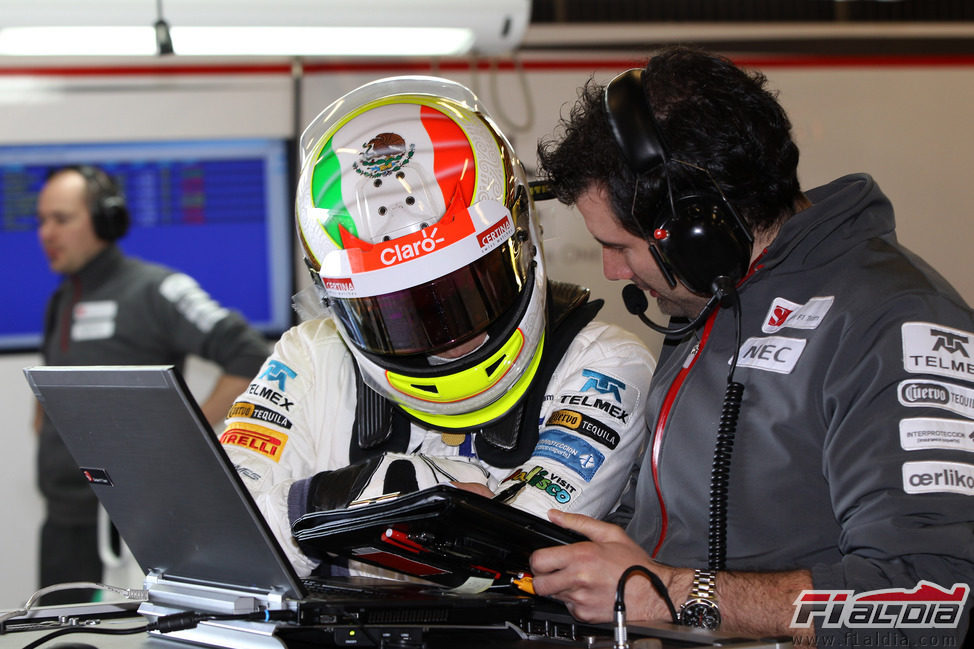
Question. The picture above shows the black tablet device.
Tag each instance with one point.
(442, 534)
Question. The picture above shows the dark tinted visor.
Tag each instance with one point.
(440, 314)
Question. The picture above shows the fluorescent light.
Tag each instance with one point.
(322, 41)
(69, 41)
(229, 41)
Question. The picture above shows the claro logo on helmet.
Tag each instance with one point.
(400, 252)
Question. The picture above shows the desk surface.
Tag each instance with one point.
(88, 622)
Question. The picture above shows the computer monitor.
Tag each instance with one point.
(216, 209)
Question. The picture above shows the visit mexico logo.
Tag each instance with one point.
(925, 606)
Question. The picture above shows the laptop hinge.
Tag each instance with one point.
(210, 598)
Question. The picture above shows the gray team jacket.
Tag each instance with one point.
(854, 451)
(119, 310)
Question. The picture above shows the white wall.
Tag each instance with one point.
(907, 125)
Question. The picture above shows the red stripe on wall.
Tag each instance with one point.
(395, 66)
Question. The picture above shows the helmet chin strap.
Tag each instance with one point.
(636, 303)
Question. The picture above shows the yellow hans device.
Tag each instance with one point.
(462, 385)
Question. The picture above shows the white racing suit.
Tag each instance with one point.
(297, 417)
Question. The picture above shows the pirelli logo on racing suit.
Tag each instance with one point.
(259, 439)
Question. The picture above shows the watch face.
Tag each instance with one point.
(700, 613)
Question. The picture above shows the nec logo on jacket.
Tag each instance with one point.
(771, 353)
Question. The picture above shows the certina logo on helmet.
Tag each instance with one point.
(338, 285)
(503, 229)
(384, 154)
(924, 393)
(400, 252)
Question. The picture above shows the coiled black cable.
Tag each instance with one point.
(723, 449)
(720, 476)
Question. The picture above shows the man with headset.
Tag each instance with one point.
(841, 460)
(115, 310)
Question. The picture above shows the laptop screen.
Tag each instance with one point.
(160, 473)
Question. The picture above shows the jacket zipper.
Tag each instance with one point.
(665, 409)
(670, 399)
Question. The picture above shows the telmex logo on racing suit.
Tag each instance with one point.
(595, 403)
(599, 382)
(276, 371)
(933, 349)
(926, 606)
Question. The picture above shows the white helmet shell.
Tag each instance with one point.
(416, 220)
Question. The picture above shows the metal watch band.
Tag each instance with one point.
(704, 585)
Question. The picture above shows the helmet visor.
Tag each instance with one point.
(439, 314)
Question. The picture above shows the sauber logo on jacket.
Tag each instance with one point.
(785, 313)
(933, 349)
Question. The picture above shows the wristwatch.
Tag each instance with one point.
(700, 609)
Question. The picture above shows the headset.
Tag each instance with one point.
(109, 213)
(703, 243)
(701, 237)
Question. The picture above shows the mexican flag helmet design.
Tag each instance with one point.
(417, 224)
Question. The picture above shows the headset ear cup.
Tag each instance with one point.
(111, 218)
(703, 242)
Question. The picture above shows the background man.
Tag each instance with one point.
(115, 310)
(852, 467)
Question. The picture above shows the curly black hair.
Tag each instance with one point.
(711, 114)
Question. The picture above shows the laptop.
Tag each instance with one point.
(159, 471)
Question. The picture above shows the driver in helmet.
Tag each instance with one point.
(435, 348)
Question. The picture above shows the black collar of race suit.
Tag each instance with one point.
(382, 426)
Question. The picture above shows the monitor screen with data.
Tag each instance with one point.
(218, 210)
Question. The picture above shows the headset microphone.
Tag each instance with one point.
(636, 303)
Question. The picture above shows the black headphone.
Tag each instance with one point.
(109, 214)
(702, 239)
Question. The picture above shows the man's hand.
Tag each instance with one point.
(585, 575)
(475, 487)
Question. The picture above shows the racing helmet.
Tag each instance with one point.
(419, 229)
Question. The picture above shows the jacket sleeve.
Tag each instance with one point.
(592, 426)
(899, 453)
(196, 324)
